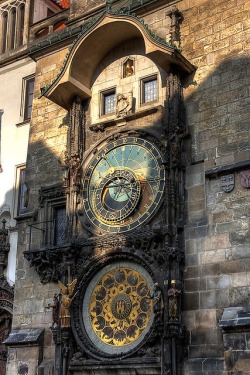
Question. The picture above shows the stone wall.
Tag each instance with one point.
(47, 141)
(47, 144)
(214, 37)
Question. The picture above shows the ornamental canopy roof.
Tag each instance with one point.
(94, 42)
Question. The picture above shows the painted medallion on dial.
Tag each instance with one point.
(120, 306)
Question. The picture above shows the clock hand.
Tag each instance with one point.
(129, 198)
(151, 179)
(107, 160)
(118, 192)
(120, 184)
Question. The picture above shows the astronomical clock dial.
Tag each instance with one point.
(118, 307)
(123, 185)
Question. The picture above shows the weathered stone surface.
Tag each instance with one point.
(191, 301)
(214, 299)
(191, 272)
(206, 351)
(213, 365)
(205, 319)
(205, 335)
(234, 341)
(192, 285)
(211, 269)
(219, 282)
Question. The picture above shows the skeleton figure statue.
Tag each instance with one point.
(55, 311)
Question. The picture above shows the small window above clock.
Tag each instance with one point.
(108, 102)
(149, 89)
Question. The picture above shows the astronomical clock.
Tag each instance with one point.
(123, 188)
(119, 262)
(123, 185)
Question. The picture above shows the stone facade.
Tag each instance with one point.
(214, 278)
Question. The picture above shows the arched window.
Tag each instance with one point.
(13, 28)
(4, 31)
(42, 32)
(20, 29)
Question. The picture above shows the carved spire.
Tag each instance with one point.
(75, 144)
(73, 162)
(176, 19)
(108, 5)
(76, 131)
(175, 105)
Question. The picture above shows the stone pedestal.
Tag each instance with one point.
(235, 323)
(25, 351)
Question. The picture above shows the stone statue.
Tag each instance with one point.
(76, 168)
(67, 296)
(173, 297)
(123, 104)
(55, 311)
(157, 299)
(72, 167)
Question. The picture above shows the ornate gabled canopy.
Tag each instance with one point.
(92, 45)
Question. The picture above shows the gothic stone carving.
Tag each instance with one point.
(4, 247)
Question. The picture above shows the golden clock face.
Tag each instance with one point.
(119, 307)
(123, 185)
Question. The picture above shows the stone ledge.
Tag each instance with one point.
(210, 173)
(25, 337)
(100, 126)
(234, 318)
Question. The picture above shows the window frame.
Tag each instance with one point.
(20, 24)
(145, 80)
(13, 28)
(4, 27)
(25, 98)
(54, 209)
(103, 95)
(19, 194)
(51, 198)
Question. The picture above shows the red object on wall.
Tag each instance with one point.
(63, 4)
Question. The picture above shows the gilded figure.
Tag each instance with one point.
(67, 296)
(129, 69)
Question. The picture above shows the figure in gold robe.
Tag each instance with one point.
(67, 296)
